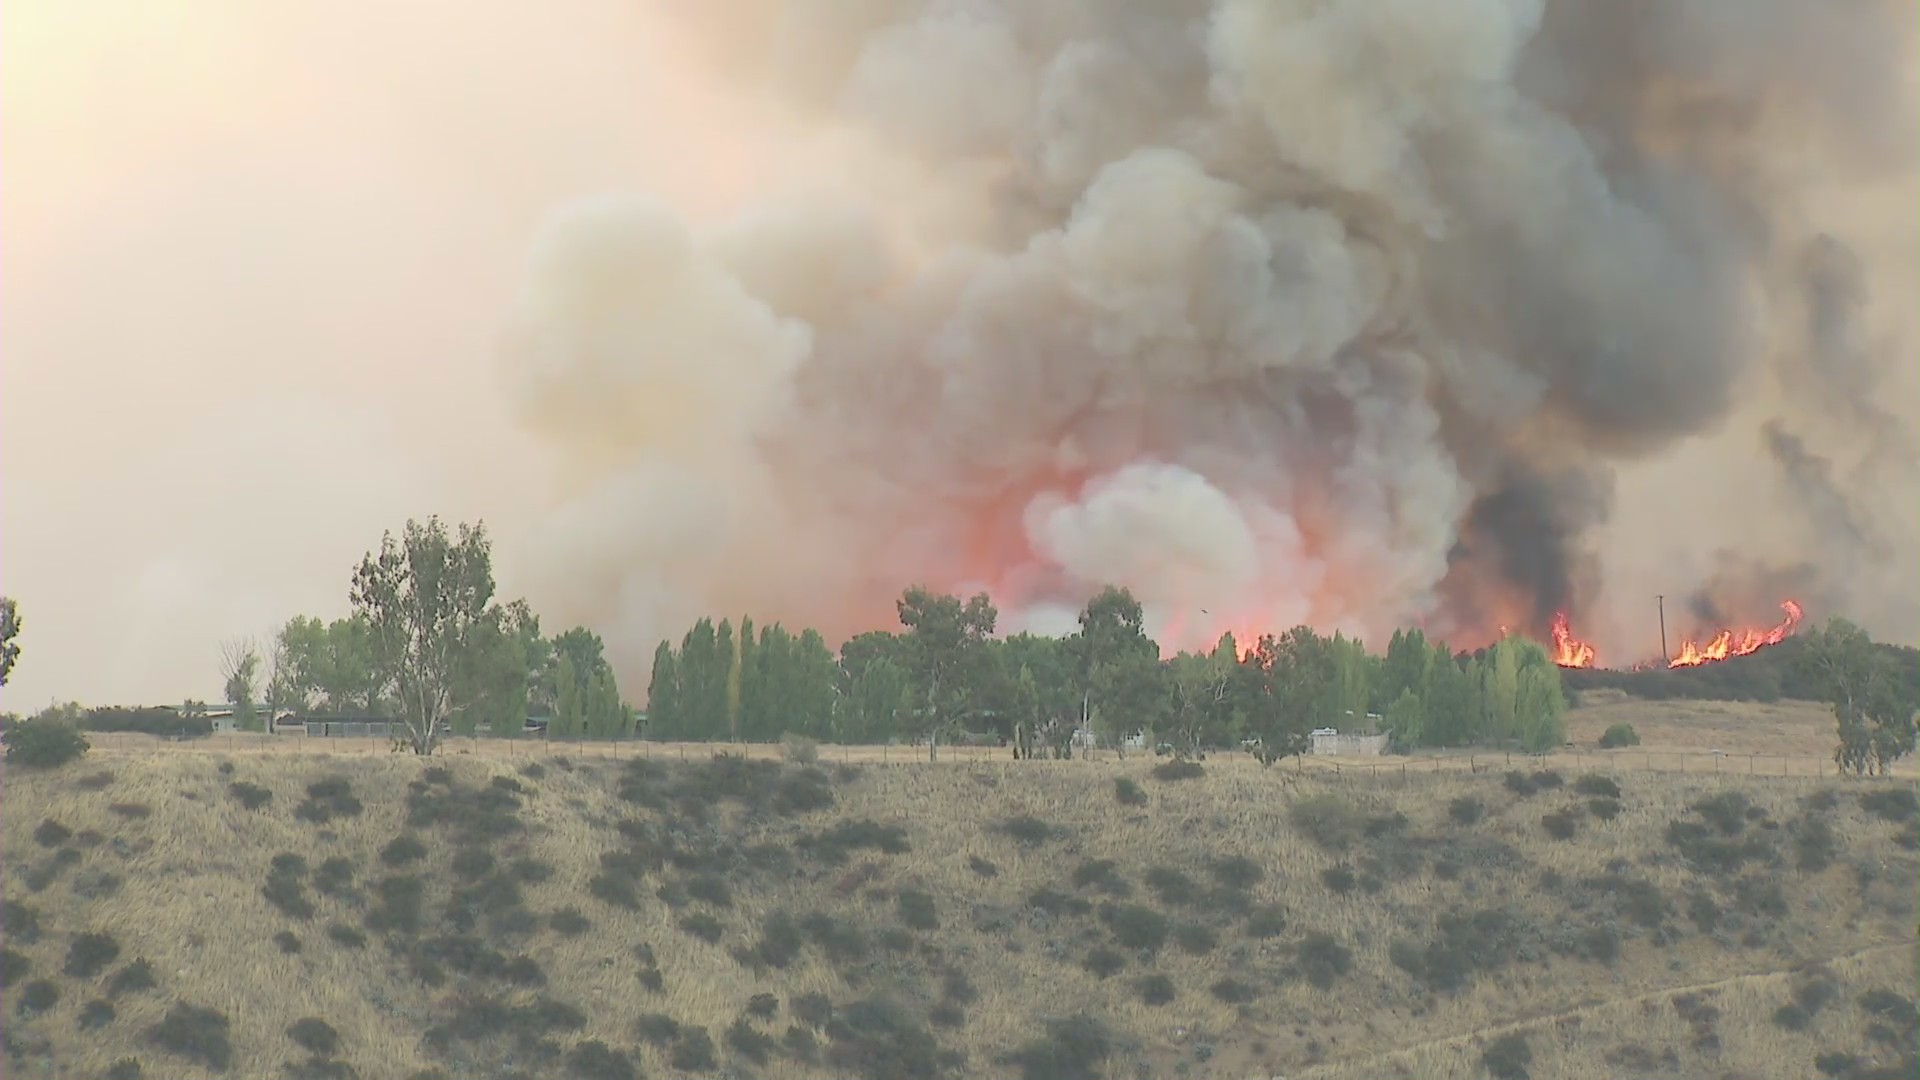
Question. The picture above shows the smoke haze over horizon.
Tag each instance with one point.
(1362, 316)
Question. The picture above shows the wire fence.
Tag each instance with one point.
(1387, 768)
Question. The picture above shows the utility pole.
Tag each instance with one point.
(1664, 654)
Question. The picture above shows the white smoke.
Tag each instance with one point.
(1274, 312)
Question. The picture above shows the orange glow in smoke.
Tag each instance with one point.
(1728, 643)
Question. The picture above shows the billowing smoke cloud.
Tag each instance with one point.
(1274, 312)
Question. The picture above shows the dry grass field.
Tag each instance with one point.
(1793, 728)
(477, 916)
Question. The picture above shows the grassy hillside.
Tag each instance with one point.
(1792, 728)
(388, 917)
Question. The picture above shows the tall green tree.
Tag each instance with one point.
(880, 703)
(1350, 683)
(664, 719)
(10, 624)
(499, 672)
(1500, 691)
(423, 596)
(586, 694)
(1406, 720)
(945, 651)
(1134, 694)
(1201, 712)
(1278, 688)
(1540, 702)
(813, 679)
(1118, 659)
(240, 672)
(1873, 706)
(701, 705)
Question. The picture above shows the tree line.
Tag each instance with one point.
(429, 645)
(944, 677)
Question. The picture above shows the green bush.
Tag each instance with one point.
(13, 967)
(1561, 824)
(1026, 829)
(703, 926)
(1338, 878)
(693, 1051)
(125, 1069)
(401, 900)
(749, 1042)
(1322, 960)
(50, 833)
(334, 877)
(89, 954)
(917, 910)
(314, 1035)
(1604, 809)
(43, 744)
(1179, 769)
(1619, 735)
(284, 891)
(1074, 1048)
(328, 799)
(251, 796)
(1466, 810)
(1231, 991)
(472, 863)
(595, 1060)
(982, 867)
(195, 1033)
(1895, 805)
(1236, 872)
(800, 1044)
(135, 978)
(1508, 1057)
(402, 850)
(658, 1029)
(799, 749)
(96, 1014)
(20, 922)
(812, 1008)
(1103, 962)
(37, 997)
(1155, 990)
(1171, 886)
(1598, 786)
(1266, 921)
(1103, 876)
(1195, 939)
(1128, 793)
(1136, 927)
(164, 723)
(1329, 821)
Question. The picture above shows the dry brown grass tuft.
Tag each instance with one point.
(1270, 971)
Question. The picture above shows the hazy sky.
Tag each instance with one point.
(255, 261)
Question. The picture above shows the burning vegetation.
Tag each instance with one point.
(1569, 651)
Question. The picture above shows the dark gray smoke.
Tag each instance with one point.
(1279, 310)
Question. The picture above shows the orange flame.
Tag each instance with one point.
(1569, 651)
(1729, 643)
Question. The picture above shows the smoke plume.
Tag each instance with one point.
(1273, 311)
